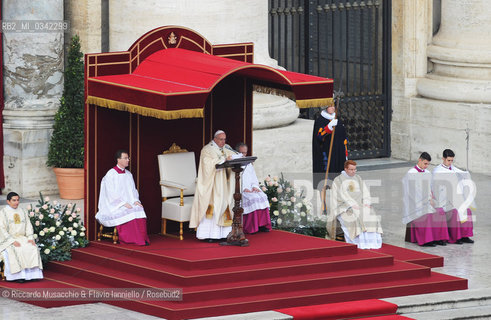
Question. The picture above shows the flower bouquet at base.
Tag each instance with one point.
(290, 210)
(57, 229)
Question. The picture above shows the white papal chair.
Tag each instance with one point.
(178, 182)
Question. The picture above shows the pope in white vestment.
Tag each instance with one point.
(19, 251)
(211, 212)
(350, 205)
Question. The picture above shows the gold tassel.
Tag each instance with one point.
(145, 111)
(274, 91)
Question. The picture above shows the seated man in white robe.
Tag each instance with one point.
(350, 204)
(254, 201)
(426, 225)
(451, 189)
(211, 212)
(20, 253)
(119, 204)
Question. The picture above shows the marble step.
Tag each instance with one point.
(464, 304)
(483, 312)
(262, 315)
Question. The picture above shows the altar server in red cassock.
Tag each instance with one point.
(454, 192)
(254, 201)
(119, 204)
(427, 226)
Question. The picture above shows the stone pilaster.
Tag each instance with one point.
(410, 25)
(88, 20)
(33, 82)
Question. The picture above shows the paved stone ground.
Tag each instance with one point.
(470, 261)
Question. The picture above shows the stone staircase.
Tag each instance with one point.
(465, 304)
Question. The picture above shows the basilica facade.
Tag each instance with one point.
(440, 94)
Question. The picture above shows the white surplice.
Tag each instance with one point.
(453, 189)
(116, 190)
(417, 194)
(252, 201)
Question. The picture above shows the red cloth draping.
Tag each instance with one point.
(173, 79)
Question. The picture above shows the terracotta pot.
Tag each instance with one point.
(70, 183)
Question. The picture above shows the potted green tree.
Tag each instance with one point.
(66, 148)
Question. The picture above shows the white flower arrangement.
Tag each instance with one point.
(49, 221)
(290, 210)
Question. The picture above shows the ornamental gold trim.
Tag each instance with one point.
(314, 103)
(174, 148)
(145, 111)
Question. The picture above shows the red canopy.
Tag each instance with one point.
(173, 86)
(175, 83)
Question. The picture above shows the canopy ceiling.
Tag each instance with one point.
(175, 83)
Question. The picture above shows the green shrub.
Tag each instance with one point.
(66, 148)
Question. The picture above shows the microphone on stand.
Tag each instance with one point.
(230, 148)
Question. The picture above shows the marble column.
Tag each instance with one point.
(453, 109)
(33, 85)
(460, 54)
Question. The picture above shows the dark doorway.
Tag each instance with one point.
(348, 41)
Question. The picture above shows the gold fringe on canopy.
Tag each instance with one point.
(144, 111)
(274, 91)
(315, 103)
(306, 103)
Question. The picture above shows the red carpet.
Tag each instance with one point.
(390, 317)
(408, 255)
(278, 270)
(352, 309)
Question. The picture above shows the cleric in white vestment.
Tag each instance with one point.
(18, 250)
(350, 205)
(211, 212)
(119, 203)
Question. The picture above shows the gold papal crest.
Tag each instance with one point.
(172, 38)
(16, 218)
(351, 187)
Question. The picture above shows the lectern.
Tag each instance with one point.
(236, 237)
